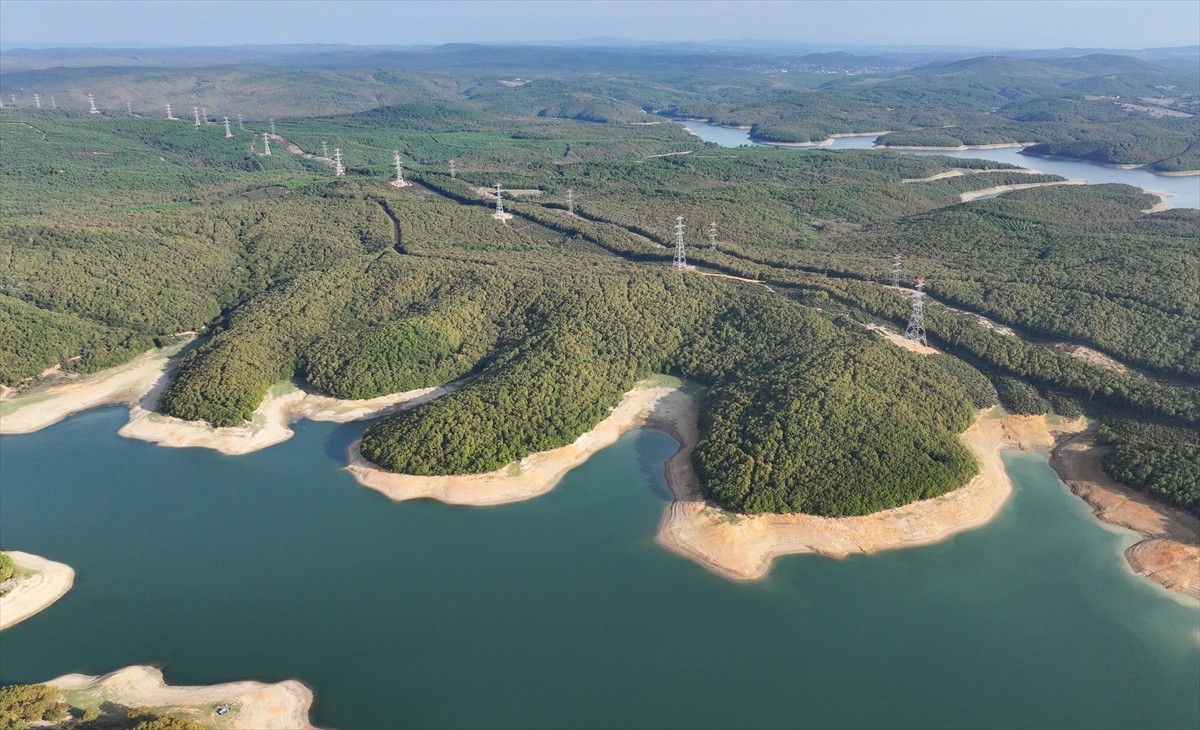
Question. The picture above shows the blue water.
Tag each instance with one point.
(563, 611)
(1183, 192)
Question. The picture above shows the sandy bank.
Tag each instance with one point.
(123, 385)
(253, 705)
(961, 171)
(534, 475)
(1170, 552)
(44, 583)
(959, 148)
(744, 547)
(1181, 173)
(831, 139)
(270, 424)
(997, 190)
(738, 546)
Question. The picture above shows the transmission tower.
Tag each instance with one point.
(53, 103)
(451, 169)
(338, 170)
(916, 321)
(399, 181)
(92, 105)
(129, 108)
(196, 116)
(680, 260)
(712, 235)
(228, 131)
(896, 269)
(272, 126)
(37, 101)
(241, 126)
(266, 144)
(570, 201)
(324, 149)
(499, 203)
(171, 116)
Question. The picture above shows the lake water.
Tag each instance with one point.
(562, 611)
(1184, 191)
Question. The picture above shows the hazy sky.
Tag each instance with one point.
(1005, 23)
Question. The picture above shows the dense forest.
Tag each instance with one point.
(121, 231)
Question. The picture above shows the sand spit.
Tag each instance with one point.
(252, 705)
(269, 426)
(44, 582)
(997, 190)
(1169, 554)
(744, 547)
(534, 475)
(123, 385)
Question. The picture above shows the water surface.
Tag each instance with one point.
(562, 611)
(1184, 192)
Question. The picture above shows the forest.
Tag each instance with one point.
(121, 231)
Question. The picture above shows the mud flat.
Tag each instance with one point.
(43, 582)
(252, 705)
(1169, 553)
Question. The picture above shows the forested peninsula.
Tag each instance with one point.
(122, 231)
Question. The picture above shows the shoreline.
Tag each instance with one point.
(1169, 551)
(253, 705)
(1001, 189)
(959, 148)
(123, 385)
(140, 384)
(828, 141)
(740, 547)
(45, 582)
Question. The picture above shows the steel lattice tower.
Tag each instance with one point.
(129, 108)
(170, 115)
(570, 201)
(712, 235)
(196, 116)
(451, 169)
(266, 145)
(399, 167)
(680, 259)
(896, 269)
(499, 201)
(916, 321)
(241, 126)
(228, 131)
(338, 169)
(204, 114)
(324, 149)
(37, 101)
(92, 105)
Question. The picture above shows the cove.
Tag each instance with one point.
(1184, 191)
(562, 611)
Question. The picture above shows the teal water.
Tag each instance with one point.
(1183, 192)
(562, 611)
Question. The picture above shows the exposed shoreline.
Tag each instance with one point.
(253, 705)
(738, 546)
(1169, 552)
(140, 384)
(959, 148)
(46, 582)
(1000, 189)
(828, 141)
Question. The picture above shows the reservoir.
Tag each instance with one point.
(563, 611)
(1184, 192)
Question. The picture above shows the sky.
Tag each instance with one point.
(978, 23)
